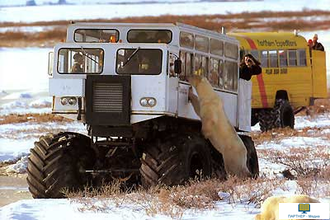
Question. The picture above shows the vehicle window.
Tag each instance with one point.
(292, 58)
(202, 43)
(273, 58)
(283, 58)
(302, 57)
(230, 76)
(189, 64)
(213, 76)
(221, 74)
(255, 54)
(216, 47)
(186, 40)
(80, 61)
(264, 58)
(231, 50)
(183, 65)
(139, 61)
(149, 36)
(96, 36)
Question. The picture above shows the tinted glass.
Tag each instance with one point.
(139, 61)
(96, 36)
(80, 61)
(149, 36)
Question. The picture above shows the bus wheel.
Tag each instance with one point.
(283, 114)
(175, 159)
(265, 120)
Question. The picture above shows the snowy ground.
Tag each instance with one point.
(12, 146)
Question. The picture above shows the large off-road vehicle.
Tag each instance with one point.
(128, 84)
(293, 76)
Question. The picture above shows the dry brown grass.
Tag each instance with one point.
(20, 118)
(305, 162)
(173, 201)
(252, 21)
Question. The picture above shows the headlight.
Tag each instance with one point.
(72, 101)
(64, 101)
(152, 102)
(68, 100)
(148, 102)
(144, 102)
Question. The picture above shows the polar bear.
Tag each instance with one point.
(217, 128)
(269, 209)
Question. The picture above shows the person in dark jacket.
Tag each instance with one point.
(248, 67)
(317, 45)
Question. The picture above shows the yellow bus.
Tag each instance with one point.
(292, 76)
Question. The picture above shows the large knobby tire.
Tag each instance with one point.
(252, 157)
(175, 159)
(57, 162)
(281, 116)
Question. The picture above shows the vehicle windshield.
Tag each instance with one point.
(80, 60)
(139, 61)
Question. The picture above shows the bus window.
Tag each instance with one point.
(283, 58)
(264, 58)
(202, 43)
(183, 66)
(186, 40)
(292, 58)
(273, 58)
(213, 77)
(205, 65)
(96, 36)
(230, 76)
(302, 57)
(231, 50)
(221, 75)
(216, 47)
(189, 63)
(198, 70)
(149, 36)
(255, 54)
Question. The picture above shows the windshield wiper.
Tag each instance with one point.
(132, 55)
(85, 54)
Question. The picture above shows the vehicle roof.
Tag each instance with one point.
(270, 40)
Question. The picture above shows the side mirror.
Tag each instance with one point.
(177, 66)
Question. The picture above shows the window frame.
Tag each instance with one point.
(91, 29)
(150, 30)
(140, 74)
(79, 49)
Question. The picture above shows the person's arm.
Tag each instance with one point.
(256, 70)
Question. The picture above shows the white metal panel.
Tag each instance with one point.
(230, 101)
(148, 86)
(172, 95)
(135, 118)
(244, 105)
(185, 108)
(66, 87)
